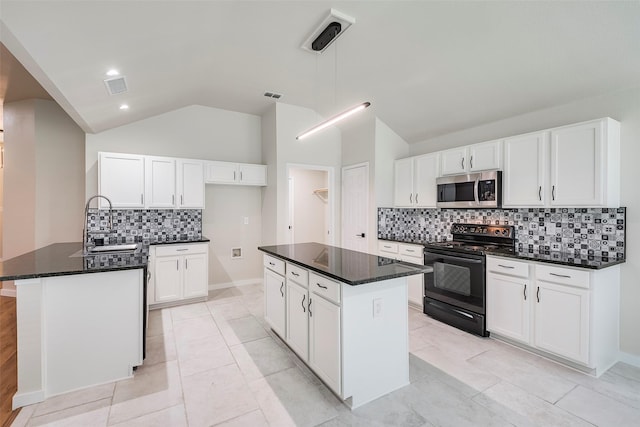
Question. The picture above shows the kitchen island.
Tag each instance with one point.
(80, 318)
(344, 313)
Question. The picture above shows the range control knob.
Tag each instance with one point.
(505, 232)
(497, 232)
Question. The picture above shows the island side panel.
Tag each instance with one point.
(376, 345)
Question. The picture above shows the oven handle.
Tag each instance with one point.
(472, 261)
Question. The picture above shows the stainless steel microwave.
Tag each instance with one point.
(476, 190)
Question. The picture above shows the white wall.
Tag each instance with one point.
(389, 147)
(321, 149)
(623, 106)
(202, 133)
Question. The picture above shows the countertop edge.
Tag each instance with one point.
(70, 273)
(342, 279)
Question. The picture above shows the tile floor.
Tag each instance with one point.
(218, 364)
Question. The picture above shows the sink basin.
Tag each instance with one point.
(113, 248)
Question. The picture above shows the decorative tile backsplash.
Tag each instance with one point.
(598, 232)
(150, 225)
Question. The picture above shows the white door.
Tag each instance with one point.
(524, 170)
(324, 337)
(403, 183)
(562, 320)
(160, 182)
(485, 156)
(454, 161)
(196, 282)
(274, 301)
(355, 207)
(191, 184)
(167, 280)
(508, 306)
(298, 319)
(577, 165)
(121, 179)
(426, 170)
(252, 174)
(222, 172)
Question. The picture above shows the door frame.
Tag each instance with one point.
(367, 198)
(330, 198)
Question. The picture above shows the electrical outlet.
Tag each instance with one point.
(377, 307)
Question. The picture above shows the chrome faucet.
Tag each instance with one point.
(85, 236)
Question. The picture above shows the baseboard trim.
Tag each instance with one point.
(245, 282)
(629, 359)
(24, 399)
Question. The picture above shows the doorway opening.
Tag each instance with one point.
(311, 202)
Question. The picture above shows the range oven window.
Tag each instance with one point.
(456, 280)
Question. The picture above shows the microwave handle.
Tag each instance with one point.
(475, 190)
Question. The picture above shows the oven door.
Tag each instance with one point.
(456, 279)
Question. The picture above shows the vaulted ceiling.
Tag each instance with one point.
(427, 67)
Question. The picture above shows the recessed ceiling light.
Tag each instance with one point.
(124, 107)
(113, 72)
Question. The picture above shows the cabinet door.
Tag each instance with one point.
(167, 279)
(195, 275)
(298, 319)
(415, 283)
(485, 156)
(324, 341)
(274, 301)
(121, 179)
(424, 181)
(252, 174)
(454, 161)
(222, 172)
(508, 307)
(562, 320)
(577, 169)
(191, 184)
(524, 170)
(160, 182)
(403, 183)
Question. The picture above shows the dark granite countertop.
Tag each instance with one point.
(591, 262)
(344, 265)
(61, 259)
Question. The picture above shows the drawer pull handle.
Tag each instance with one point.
(182, 250)
(560, 275)
(309, 307)
(319, 285)
(304, 310)
(538, 294)
(525, 291)
(271, 264)
(387, 247)
(295, 274)
(505, 266)
(540, 193)
(409, 250)
(281, 286)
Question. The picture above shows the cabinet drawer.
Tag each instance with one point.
(411, 250)
(175, 249)
(389, 247)
(564, 276)
(506, 266)
(325, 287)
(298, 274)
(275, 264)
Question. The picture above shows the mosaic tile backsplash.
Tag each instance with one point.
(598, 232)
(147, 226)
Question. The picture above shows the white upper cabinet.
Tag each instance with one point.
(585, 164)
(121, 179)
(575, 165)
(160, 182)
(190, 184)
(472, 158)
(523, 178)
(415, 181)
(235, 173)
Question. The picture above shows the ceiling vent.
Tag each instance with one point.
(273, 95)
(331, 27)
(116, 85)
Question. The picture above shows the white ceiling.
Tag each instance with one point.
(428, 67)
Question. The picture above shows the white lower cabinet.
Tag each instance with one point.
(178, 273)
(566, 312)
(274, 301)
(408, 253)
(298, 319)
(324, 341)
